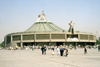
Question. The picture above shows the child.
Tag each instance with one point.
(66, 52)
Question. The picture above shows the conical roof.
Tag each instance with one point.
(42, 24)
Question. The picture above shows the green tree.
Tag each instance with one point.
(2, 44)
(97, 42)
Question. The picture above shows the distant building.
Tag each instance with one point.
(44, 32)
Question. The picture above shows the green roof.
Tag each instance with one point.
(42, 24)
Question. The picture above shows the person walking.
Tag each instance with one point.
(17, 47)
(33, 48)
(57, 51)
(52, 50)
(85, 50)
(45, 48)
(42, 50)
(61, 51)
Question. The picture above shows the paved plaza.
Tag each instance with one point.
(29, 58)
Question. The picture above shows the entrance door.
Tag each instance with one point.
(28, 44)
(59, 43)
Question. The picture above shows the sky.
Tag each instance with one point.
(19, 15)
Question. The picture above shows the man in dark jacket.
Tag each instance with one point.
(61, 51)
(42, 50)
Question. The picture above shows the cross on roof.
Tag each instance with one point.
(42, 12)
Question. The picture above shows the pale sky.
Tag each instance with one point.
(19, 15)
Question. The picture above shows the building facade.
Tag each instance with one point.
(44, 32)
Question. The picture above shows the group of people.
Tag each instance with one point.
(60, 50)
(43, 49)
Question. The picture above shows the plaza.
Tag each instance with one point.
(29, 58)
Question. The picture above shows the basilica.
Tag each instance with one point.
(44, 32)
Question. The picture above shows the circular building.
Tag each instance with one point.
(44, 32)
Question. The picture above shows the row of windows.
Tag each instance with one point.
(28, 37)
(91, 37)
(83, 36)
(42, 36)
(53, 36)
(47, 36)
(57, 36)
(18, 37)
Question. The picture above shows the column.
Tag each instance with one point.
(65, 37)
(95, 43)
(85, 43)
(5, 40)
(88, 38)
(21, 43)
(11, 39)
(34, 39)
(79, 37)
(35, 43)
(50, 39)
(76, 44)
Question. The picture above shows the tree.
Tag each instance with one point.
(97, 42)
(2, 44)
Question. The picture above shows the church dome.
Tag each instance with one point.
(42, 24)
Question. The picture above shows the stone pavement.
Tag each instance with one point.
(29, 58)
